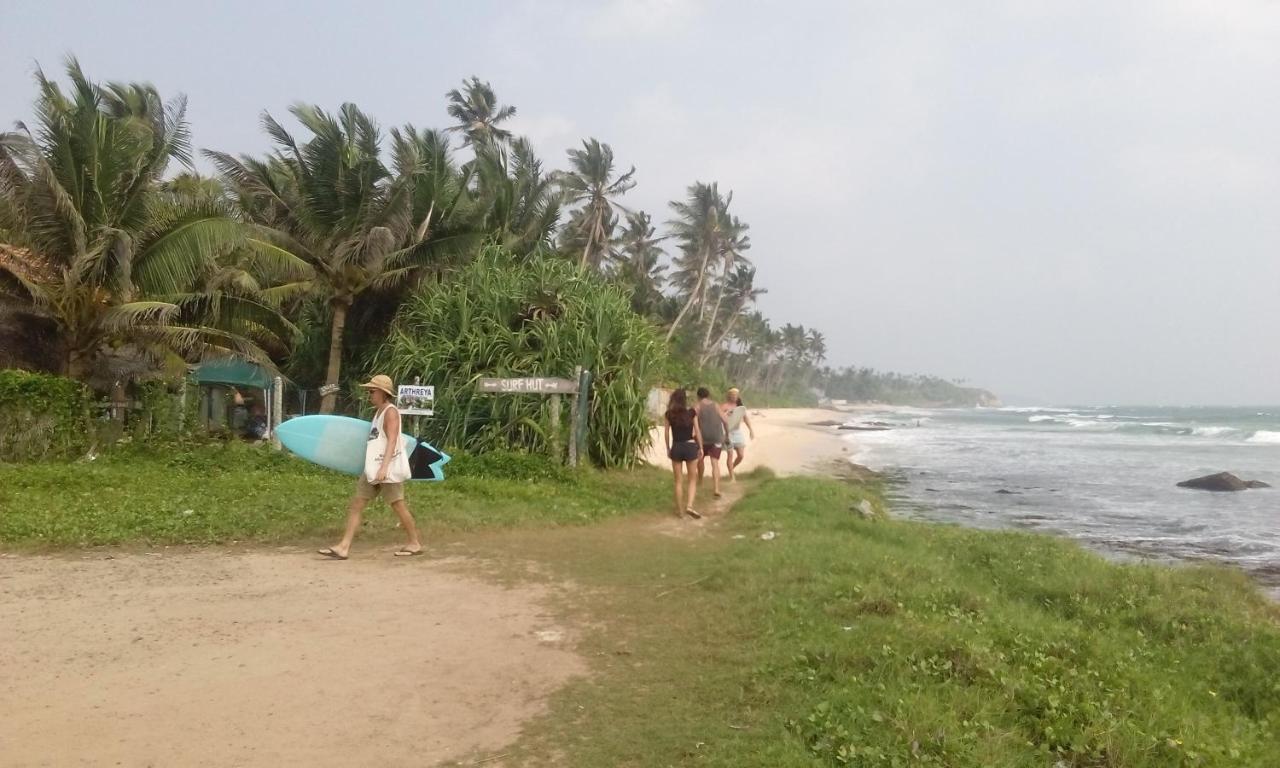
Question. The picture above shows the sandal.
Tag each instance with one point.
(693, 513)
(330, 552)
(406, 552)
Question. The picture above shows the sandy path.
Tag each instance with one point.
(267, 658)
(786, 441)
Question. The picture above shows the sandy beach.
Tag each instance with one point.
(785, 441)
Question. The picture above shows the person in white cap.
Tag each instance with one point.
(385, 477)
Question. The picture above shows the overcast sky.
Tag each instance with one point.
(1074, 202)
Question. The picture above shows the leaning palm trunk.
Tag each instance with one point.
(707, 347)
(334, 369)
(707, 351)
(693, 295)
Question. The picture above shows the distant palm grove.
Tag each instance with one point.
(119, 262)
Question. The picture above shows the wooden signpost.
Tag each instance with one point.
(542, 385)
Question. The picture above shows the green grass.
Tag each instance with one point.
(841, 642)
(236, 492)
(846, 642)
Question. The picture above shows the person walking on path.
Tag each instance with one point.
(735, 416)
(683, 438)
(712, 424)
(386, 469)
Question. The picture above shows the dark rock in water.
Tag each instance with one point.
(933, 490)
(1007, 492)
(1222, 481)
(853, 428)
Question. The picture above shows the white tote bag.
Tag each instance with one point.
(398, 468)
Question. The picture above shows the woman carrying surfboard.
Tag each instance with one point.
(386, 470)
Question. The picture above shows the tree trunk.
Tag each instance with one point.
(334, 369)
(591, 233)
(711, 325)
(728, 328)
(693, 295)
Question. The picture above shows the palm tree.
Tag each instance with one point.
(478, 113)
(731, 244)
(637, 261)
(697, 227)
(123, 268)
(518, 203)
(741, 290)
(591, 182)
(327, 211)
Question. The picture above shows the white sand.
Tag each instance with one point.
(785, 441)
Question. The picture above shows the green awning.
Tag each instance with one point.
(232, 371)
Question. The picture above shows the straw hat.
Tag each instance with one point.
(381, 382)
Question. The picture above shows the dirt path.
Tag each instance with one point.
(268, 658)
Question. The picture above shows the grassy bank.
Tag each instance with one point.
(236, 492)
(883, 643)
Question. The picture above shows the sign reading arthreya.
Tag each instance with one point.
(414, 400)
(541, 386)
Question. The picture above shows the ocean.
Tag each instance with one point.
(1103, 476)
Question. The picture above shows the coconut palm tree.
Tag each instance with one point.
(741, 290)
(327, 212)
(124, 268)
(731, 244)
(590, 181)
(518, 203)
(479, 114)
(697, 227)
(637, 261)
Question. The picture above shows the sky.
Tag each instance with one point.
(1065, 202)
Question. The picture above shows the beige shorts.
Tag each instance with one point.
(391, 492)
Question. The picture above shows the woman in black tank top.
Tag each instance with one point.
(683, 438)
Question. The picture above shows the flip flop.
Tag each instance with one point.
(328, 552)
(694, 514)
(407, 552)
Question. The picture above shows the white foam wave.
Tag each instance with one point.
(1040, 418)
(1264, 436)
(1212, 431)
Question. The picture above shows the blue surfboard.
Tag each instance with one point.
(338, 442)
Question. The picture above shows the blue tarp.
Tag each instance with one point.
(233, 371)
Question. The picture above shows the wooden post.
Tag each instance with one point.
(277, 406)
(573, 422)
(555, 428)
(582, 414)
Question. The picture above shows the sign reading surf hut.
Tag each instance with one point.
(531, 385)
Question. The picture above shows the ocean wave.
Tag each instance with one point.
(1040, 418)
(1264, 436)
(1213, 431)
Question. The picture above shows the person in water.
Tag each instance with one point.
(386, 427)
(735, 417)
(712, 425)
(683, 438)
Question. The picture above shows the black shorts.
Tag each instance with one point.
(687, 451)
(711, 450)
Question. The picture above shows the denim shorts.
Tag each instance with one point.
(686, 451)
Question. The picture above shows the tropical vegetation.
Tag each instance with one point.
(304, 258)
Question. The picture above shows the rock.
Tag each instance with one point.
(851, 427)
(1222, 481)
(1007, 492)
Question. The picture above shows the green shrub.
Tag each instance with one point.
(509, 465)
(503, 318)
(41, 416)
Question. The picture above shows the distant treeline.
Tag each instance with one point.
(870, 385)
